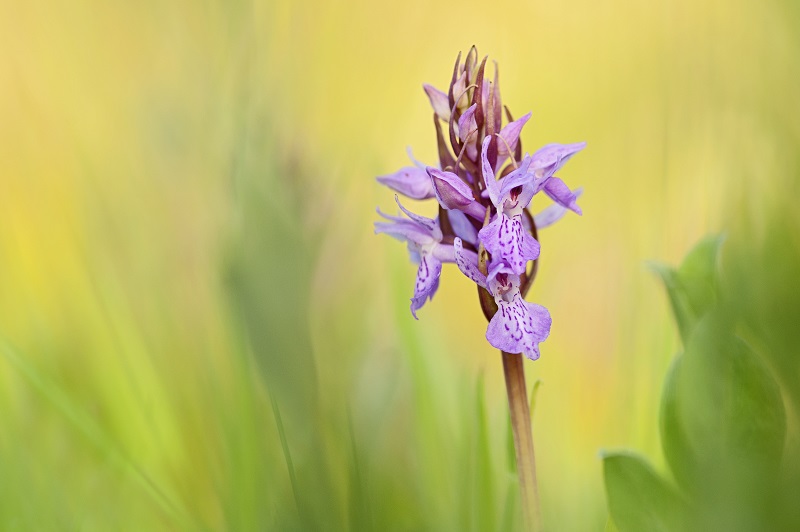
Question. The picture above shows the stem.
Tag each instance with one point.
(523, 439)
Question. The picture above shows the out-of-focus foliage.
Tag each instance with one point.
(723, 423)
(638, 499)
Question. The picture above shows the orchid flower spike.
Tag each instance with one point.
(484, 187)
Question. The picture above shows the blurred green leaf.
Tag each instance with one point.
(87, 426)
(638, 498)
(722, 416)
(485, 517)
(674, 441)
(692, 288)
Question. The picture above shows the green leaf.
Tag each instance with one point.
(674, 441)
(698, 273)
(638, 498)
(692, 288)
(722, 417)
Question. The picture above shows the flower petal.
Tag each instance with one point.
(463, 228)
(409, 181)
(404, 230)
(506, 239)
(498, 283)
(467, 262)
(467, 124)
(428, 223)
(454, 194)
(553, 213)
(439, 101)
(492, 186)
(550, 158)
(521, 177)
(430, 268)
(450, 190)
(519, 327)
(561, 194)
(510, 136)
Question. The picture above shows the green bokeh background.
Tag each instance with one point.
(202, 332)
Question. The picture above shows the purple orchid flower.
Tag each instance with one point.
(424, 239)
(518, 326)
(505, 237)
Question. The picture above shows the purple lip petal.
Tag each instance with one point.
(519, 327)
(506, 239)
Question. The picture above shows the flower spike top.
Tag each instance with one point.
(484, 187)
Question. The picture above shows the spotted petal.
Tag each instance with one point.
(507, 240)
(519, 327)
(430, 268)
(467, 262)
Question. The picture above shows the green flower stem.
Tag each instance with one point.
(523, 439)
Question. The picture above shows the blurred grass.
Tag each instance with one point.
(186, 253)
